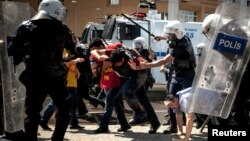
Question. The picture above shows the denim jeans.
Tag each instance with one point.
(112, 102)
(73, 118)
(135, 94)
(48, 112)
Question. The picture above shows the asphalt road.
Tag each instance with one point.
(137, 133)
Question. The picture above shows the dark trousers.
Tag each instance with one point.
(112, 100)
(135, 94)
(240, 106)
(173, 123)
(38, 86)
(83, 92)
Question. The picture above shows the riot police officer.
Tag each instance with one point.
(40, 42)
(140, 45)
(239, 113)
(181, 55)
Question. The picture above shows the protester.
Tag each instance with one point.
(111, 84)
(72, 76)
(133, 83)
(84, 83)
(180, 103)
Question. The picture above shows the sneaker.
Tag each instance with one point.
(101, 130)
(124, 128)
(170, 130)
(76, 127)
(45, 126)
(153, 129)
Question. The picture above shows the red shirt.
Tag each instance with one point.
(109, 78)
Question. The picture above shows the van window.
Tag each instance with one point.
(128, 31)
(95, 34)
(90, 33)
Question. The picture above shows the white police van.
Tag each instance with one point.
(126, 28)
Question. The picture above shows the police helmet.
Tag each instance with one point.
(211, 22)
(209, 25)
(140, 43)
(53, 8)
(175, 27)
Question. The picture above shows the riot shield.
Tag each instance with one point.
(217, 81)
(11, 16)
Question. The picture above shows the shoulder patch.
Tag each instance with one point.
(29, 25)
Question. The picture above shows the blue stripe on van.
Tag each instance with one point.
(161, 54)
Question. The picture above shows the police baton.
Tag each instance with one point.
(138, 25)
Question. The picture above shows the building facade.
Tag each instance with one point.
(82, 11)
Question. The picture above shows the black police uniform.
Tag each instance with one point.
(183, 70)
(150, 79)
(41, 42)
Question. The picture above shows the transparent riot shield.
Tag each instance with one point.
(11, 15)
(217, 81)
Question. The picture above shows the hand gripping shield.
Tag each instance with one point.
(13, 90)
(218, 79)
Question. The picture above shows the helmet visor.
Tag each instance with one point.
(137, 45)
(171, 30)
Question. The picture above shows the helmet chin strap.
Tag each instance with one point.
(172, 40)
(171, 44)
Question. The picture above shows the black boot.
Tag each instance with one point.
(16, 136)
(153, 129)
(170, 130)
(101, 130)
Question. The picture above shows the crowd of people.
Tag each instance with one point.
(58, 65)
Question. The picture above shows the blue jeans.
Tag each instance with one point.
(112, 102)
(73, 119)
(48, 112)
(135, 94)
